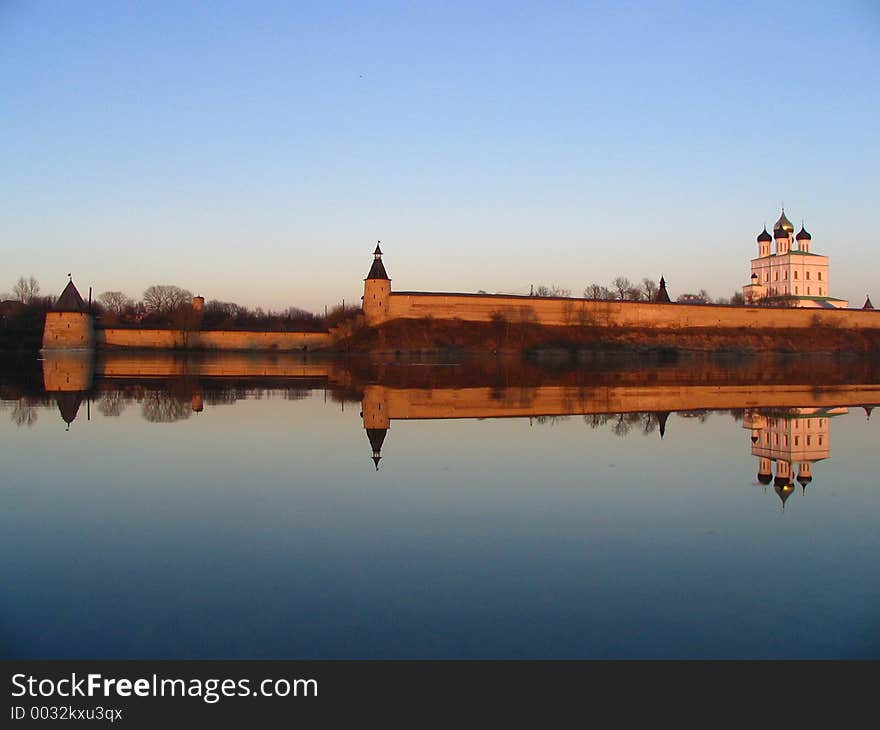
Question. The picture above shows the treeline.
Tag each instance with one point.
(164, 305)
(622, 289)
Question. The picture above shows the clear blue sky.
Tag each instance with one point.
(256, 151)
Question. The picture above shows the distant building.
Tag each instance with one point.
(662, 294)
(790, 274)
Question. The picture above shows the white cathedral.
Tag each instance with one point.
(792, 276)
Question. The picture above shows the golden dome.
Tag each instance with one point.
(784, 224)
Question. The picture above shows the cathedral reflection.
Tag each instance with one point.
(788, 443)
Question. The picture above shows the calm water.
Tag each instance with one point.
(233, 508)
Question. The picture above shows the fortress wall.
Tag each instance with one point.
(560, 311)
(141, 338)
(67, 330)
(229, 364)
(226, 340)
(211, 340)
(420, 403)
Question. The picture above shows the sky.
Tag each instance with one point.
(255, 152)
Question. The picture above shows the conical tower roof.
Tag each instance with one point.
(377, 438)
(868, 304)
(662, 294)
(377, 270)
(70, 300)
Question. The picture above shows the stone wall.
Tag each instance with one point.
(210, 340)
(563, 311)
(68, 330)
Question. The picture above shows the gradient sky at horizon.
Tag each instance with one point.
(256, 152)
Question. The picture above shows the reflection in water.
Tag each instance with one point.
(793, 440)
(789, 432)
(215, 506)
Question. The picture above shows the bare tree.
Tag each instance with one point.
(26, 290)
(116, 301)
(554, 290)
(597, 291)
(649, 289)
(737, 299)
(621, 285)
(165, 298)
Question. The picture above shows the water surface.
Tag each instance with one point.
(240, 507)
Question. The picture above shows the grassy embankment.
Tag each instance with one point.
(430, 335)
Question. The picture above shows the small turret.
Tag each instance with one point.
(377, 291)
(868, 304)
(662, 294)
(69, 325)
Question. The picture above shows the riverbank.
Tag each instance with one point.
(433, 335)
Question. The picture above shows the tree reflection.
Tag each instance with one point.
(24, 414)
(161, 407)
(112, 404)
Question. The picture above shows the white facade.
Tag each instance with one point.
(791, 272)
(792, 441)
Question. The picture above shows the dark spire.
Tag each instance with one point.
(868, 304)
(662, 294)
(868, 410)
(69, 403)
(377, 270)
(377, 438)
(70, 300)
(661, 421)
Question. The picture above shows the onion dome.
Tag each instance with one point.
(784, 224)
(803, 235)
(764, 237)
(783, 491)
(764, 478)
(804, 479)
(754, 275)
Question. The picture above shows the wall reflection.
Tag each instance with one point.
(786, 407)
